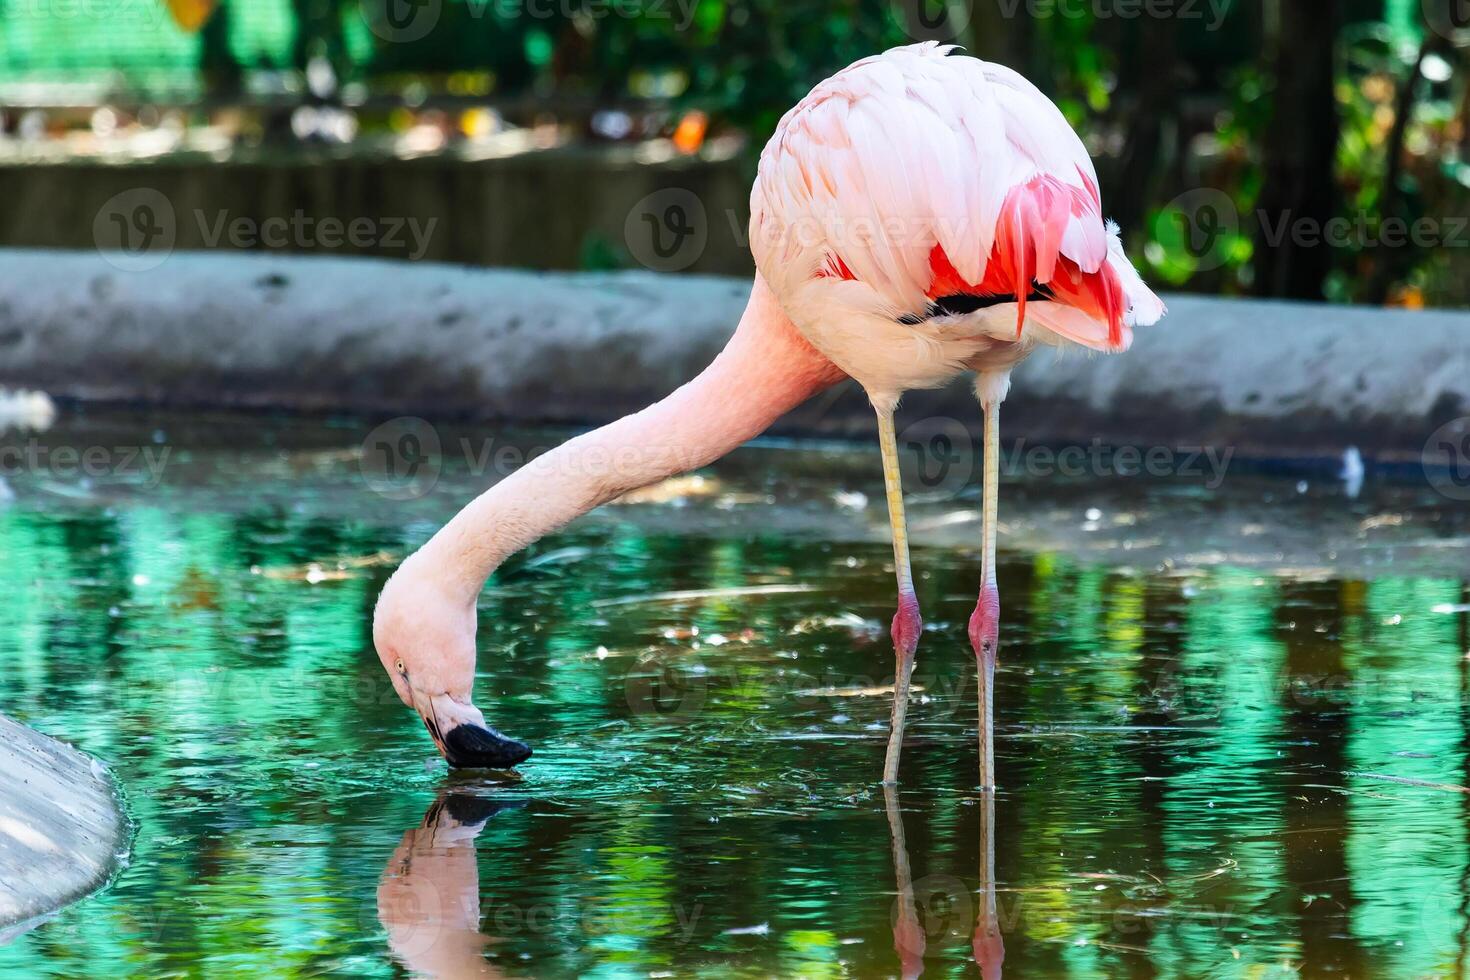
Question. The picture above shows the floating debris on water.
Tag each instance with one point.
(685, 595)
(852, 622)
(763, 929)
(947, 520)
(1406, 781)
(27, 411)
(561, 556)
(330, 570)
(672, 490)
(882, 690)
(1351, 473)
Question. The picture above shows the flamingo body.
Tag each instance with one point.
(921, 214)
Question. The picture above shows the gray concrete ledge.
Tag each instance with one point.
(381, 338)
(62, 832)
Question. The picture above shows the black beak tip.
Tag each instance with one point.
(472, 747)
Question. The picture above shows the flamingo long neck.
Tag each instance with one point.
(766, 370)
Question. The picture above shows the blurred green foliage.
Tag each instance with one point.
(1169, 105)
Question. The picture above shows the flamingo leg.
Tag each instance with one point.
(985, 623)
(909, 940)
(906, 622)
(988, 944)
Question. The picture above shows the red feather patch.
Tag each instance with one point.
(1027, 250)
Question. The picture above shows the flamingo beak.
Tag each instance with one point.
(464, 739)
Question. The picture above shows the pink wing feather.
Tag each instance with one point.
(921, 175)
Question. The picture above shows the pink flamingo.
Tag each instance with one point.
(916, 216)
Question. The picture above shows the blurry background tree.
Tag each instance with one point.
(1232, 137)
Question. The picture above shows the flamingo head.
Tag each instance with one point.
(425, 639)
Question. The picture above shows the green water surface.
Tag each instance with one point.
(1226, 772)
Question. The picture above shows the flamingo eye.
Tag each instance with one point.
(399, 664)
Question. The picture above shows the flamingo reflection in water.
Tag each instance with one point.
(933, 907)
(429, 894)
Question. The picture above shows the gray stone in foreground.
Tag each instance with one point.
(384, 338)
(61, 830)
